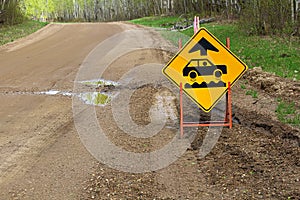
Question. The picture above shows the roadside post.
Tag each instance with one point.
(196, 24)
(205, 70)
(180, 43)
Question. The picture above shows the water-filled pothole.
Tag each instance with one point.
(95, 98)
(100, 98)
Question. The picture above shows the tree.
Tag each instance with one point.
(267, 17)
(10, 12)
(257, 16)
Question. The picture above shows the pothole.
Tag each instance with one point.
(101, 98)
(90, 98)
(95, 98)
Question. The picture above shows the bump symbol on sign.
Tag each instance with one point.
(204, 67)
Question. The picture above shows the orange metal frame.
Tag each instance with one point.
(227, 121)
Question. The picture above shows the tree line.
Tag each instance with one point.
(257, 16)
(10, 12)
(109, 10)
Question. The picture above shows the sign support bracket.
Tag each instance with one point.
(227, 121)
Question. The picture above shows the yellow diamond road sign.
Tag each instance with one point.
(205, 66)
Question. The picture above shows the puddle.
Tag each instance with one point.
(54, 92)
(50, 92)
(100, 82)
(95, 98)
(90, 98)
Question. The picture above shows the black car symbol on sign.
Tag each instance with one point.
(203, 67)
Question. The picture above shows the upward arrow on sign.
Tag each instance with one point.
(203, 46)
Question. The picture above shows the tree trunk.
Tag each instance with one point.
(293, 10)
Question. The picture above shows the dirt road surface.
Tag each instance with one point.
(42, 156)
(40, 149)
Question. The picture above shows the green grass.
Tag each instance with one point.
(252, 93)
(163, 22)
(12, 33)
(273, 54)
(174, 37)
(243, 86)
(287, 113)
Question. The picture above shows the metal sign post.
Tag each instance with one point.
(228, 116)
(226, 123)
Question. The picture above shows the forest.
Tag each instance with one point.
(264, 17)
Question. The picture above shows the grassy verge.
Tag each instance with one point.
(162, 22)
(287, 113)
(273, 54)
(12, 33)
